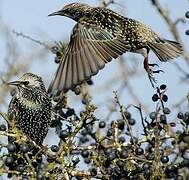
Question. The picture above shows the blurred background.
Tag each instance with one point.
(127, 75)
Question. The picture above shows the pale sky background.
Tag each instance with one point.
(30, 17)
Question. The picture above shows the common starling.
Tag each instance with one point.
(30, 107)
(100, 35)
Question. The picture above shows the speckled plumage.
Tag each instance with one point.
(100, 35)
(30, 107)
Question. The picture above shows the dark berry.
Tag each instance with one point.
(57, 60)
(20, 167)
(3, 127)
(155, 97)
(24, 148)
(187, 32)
(153, 115)
(102, 124)
(165, 98)
(139, 151)
(131, 122)
(85, 153)
(120, 163)
(166, 110)
(87, 160)
(84, 101)
(163, 118)
(108, 151)
(121, 139)
(164, 159)
(9, 175)
(121, 124)
(75, 159)
(146, 166)
(187, 14)
(83, 139)
(63, 134)
(111, 156)
(34, 163)
(123, 153)
(9, 161)
(147, 173)
(77, 90)
(84, 132)
(54, 148)
(170, 171)
(90, 82)
(180, 115)
(11, 148)
(127, 114)
(186, 114)
(70, 112)
(163, 87)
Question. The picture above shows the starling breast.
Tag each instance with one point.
(30, 108)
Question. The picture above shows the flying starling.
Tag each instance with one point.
(100, 35)
(30, 107)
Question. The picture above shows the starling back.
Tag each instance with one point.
(100, 35)
(30, 107)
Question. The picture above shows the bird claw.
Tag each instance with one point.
(158, 71)
(153, 65)
(151, 72)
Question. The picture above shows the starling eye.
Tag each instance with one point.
(25, 83)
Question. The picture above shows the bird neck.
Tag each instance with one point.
(31, 99)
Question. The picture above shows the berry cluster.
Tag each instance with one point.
(93, 148)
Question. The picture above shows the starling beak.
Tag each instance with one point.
(101, 35)
(30, 107)
(55, 13)
(18, 83)
(14, 83)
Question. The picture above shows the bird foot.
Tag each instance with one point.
(153, 65)
(150, 72)
(158, 71)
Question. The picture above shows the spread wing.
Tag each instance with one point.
(89, 50)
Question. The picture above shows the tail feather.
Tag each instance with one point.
(166, 49)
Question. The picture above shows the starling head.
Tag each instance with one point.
(74, 11)
(30, 90)
(29, 81)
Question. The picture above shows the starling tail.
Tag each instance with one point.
(30, 108)
(166, 49)
(100, 35)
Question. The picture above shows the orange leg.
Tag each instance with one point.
(150, 72)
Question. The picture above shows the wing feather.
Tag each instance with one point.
(88, 52)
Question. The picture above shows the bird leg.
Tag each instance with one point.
(149, 71)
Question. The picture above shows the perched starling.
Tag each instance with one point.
(30, 108)
(100, 35)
